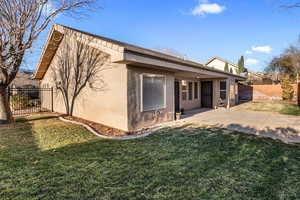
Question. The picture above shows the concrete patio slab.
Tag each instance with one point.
(283, 127)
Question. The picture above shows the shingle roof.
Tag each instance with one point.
(149, 52)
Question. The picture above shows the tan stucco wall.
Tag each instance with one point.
(190, 104)
(138, 119)
(232, 92)
(216, 93)
(219, 64)
(107, 106)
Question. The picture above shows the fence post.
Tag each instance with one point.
(8, 94)
(298, 93)
(52, 110)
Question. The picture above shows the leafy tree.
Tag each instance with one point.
(241, 65)
(287, 89)
(226, 68)
(288, 63)
(21, 23)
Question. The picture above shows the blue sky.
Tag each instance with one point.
(199, 29)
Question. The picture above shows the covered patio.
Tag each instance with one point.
(195, 85)
(193, 91)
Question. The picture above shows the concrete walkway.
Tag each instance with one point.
(276, 126)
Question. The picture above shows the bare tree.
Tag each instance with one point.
(21, 22)
(288, 63)
(79, 65)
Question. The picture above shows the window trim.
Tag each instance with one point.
(182, 90)
(190, 89)
(142, 92)
(223, 90)
(196, 82)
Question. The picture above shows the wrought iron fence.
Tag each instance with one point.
(30, 100)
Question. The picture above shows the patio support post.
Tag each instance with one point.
(227, 93)
(52, 110)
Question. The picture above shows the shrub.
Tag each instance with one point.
(287, 89)
(19, 101)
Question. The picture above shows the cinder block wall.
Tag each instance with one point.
(264, 92)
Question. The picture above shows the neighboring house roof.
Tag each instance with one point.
(256, 74)
(55, 38)
(24, 80)
(218, 58)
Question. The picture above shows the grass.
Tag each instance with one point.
(49, 159)
(275, 107)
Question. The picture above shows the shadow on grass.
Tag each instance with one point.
(186, 162)
(34, 118)
(286, 135)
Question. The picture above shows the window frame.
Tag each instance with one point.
(196, 82)
(184, 84)
(190, 89)
(142, 91)
(223, 90)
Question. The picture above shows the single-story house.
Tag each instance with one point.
(219, 63)
(143, 87)
(24, 79)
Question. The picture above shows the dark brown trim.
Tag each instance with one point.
(187, 63)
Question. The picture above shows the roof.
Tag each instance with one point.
(127, 48)
(24, 79)
(219, 58)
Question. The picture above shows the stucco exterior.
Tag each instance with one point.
(118, 104)
(107, 106)
(218, 63)
(136, 117)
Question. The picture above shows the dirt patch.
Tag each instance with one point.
(105, 130)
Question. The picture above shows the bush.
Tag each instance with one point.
(19, 101)
(287, 89)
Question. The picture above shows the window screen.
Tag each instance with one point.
(184, 91)
(184, 95)
(190, 91)
(196, 90)
(153, 92)
(223, 90)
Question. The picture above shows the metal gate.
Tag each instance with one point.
(30, 100)
(207, 94)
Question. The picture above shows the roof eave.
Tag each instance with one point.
(181, 61)
(48, 52)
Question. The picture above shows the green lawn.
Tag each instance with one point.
(49, 159)
(275, 107)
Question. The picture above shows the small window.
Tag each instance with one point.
(223, 90)
(153, 92)
(196, 90)
(190, 91)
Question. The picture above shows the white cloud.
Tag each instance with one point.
(252, 62)
(262, 49)
(248, 52)
(204, 8)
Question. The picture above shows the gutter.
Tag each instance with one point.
(165, 57)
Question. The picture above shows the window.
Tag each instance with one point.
(196, 90)
(153, 92)
(184, 91)
(223, 88)
(190, 90)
